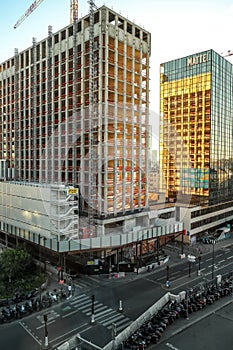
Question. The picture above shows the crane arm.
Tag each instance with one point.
(228, 53)
(32, 7)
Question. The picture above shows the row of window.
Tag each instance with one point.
(211, 219)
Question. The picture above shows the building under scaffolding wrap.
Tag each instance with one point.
(74, 135)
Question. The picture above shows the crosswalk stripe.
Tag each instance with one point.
(96, 311)
(125, 319)
(82, 302)
(105, 309)
(109, 311)
(102, 314)
(85, 306)
(123, 326)
(112, 319)
(81, 285)
(82, 296)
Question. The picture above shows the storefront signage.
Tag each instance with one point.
(191, 61)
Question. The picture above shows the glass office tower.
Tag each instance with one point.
(196, 130)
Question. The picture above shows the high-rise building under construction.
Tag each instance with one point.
(74, 135)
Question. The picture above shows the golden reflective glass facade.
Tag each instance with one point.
(196, 129)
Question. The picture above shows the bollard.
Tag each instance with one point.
(120, 309)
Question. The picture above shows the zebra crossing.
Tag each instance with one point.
(104, 315)
(81, 283)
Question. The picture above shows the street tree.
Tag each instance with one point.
(14, 263)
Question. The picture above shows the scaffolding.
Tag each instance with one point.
(88, 88)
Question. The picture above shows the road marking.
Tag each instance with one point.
(208, 259)
(102, 312)
(112, 319)
(80, 297)
(83, 304)
(70, 313)
(71, 331)
(221, 261)
(160, 278)
(48, 323)
(96, 310)
(230, 257)
(108, 312)
(122, 323)
(169, 345)
(176, 273)
(30, 333)
(66, 308)
(52, 315)
(219, 255)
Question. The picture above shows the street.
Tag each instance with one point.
(135, 293)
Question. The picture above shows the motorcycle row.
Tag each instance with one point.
(152, 331)
(25, 304)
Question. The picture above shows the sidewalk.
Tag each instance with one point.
(182, 323)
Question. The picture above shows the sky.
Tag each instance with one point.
(178, 28)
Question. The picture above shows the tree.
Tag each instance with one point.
(14, 264)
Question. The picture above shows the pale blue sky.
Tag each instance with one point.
(178, 28)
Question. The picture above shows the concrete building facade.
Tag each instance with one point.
(74, 136)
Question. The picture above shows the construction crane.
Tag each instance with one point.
(228, 53)
(36, 3)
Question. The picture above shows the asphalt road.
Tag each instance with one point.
(137, 294)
